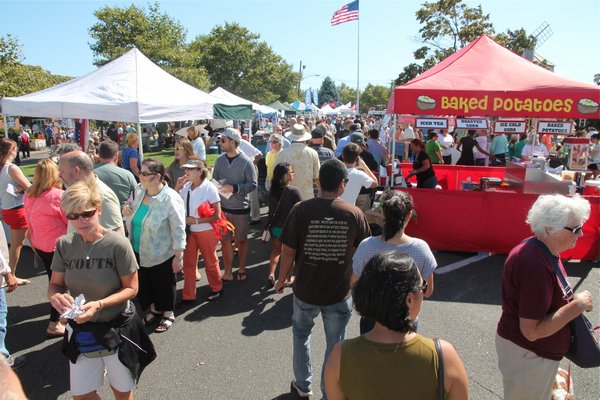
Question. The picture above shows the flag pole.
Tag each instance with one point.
(358, 66)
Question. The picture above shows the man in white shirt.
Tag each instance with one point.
(359, 175)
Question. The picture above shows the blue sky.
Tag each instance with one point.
(54, 34)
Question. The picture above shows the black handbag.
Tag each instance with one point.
(187, 214)
(584, 349)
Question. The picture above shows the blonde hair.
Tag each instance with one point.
(188, 148)
(81, 195)
(45, 177)
(131, 139)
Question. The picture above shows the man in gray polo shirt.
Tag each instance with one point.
(121, 181)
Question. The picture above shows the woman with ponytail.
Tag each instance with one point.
(397, 209)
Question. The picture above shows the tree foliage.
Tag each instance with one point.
(238, 61)
(374, 96)
(161, 38)
(346, 94)
(17, 79)
(597, 79)
(328, 91)
(448, 26)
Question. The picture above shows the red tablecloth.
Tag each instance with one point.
(494, 222)
(450, 176)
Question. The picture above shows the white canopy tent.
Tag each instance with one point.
(129, 89)
(231, 99)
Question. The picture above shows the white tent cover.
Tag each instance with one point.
(130, 89)
(231, 99)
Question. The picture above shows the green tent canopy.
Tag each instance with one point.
(238, 112)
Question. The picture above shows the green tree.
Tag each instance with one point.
(17, 79)
(10, 50)
(374, 96)
(238, 61)
(161, 38)
(328, 91)
(448, 26)
(346, 94)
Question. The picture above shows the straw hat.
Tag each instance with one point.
(298, 134)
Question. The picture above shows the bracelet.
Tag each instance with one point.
(99, 302)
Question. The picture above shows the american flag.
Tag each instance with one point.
(349, 12)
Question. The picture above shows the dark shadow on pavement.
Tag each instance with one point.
(46, 375)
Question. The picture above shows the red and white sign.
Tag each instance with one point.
(508, 126)
(471, 123)
(432, 123)
(554, 127)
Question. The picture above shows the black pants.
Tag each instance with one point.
(157, 286)
(447, 160)
(47, 261)
(26, 150)
(500, 160)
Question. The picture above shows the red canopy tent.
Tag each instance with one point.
(487, 79)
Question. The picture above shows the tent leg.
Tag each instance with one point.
(141, 146)
(5, 125)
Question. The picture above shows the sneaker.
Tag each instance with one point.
(214, 295)
(301, 392)
(17, 362)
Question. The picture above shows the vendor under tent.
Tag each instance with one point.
(129, 89)
(487, 80)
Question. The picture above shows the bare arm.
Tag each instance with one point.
(429, 286)
(134, 167)
(534, 329)
(362, 165)
(129, 288)
(332, 374)
(456, 383)
(215, 217)
(17, 175)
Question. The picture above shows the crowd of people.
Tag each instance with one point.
(117, 230)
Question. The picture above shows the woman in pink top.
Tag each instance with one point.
(47, 222)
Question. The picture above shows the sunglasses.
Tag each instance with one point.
(178, 148)
(83, 214)
(224, 140)
(144, 173)
(423, 287)
(578, 230)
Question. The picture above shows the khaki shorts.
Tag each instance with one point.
(242, 225)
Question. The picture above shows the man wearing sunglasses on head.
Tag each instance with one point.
(76, 166)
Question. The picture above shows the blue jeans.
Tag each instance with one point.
(335, 319)
(3, 315)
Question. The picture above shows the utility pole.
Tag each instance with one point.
(300, 70)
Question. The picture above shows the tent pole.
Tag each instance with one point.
(393, 150)
(141, 146)
(358, 67)
(5, 126)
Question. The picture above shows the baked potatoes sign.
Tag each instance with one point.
(501, 104)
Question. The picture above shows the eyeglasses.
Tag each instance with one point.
(178, 148)
(223, 140)
(191, 169)
(83, 214)
(578, 230)
(423, 287)
(274, 141)
(345, 180)
(144, 173)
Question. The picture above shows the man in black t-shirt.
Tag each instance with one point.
(320, 235)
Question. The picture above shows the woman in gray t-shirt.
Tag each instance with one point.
(397, 208)
(99, 264)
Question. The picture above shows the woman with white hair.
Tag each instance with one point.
(534, 334)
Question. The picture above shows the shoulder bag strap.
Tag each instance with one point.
(559, 274)
(187, 203)
(438, 349)
(276, 209)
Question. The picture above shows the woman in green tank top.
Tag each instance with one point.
(392, 361)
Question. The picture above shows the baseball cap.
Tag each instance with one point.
(193, 164)
(232, 134)
(357, 138)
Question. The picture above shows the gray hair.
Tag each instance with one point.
(67, 148)
(554, 211)
(278, 138)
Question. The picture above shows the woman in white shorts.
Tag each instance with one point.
(100, 265)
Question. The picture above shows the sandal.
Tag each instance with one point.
(164, 325)
(242, 275)
(151, 317)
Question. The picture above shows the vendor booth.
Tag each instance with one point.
(129, 89)
(484, 80)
